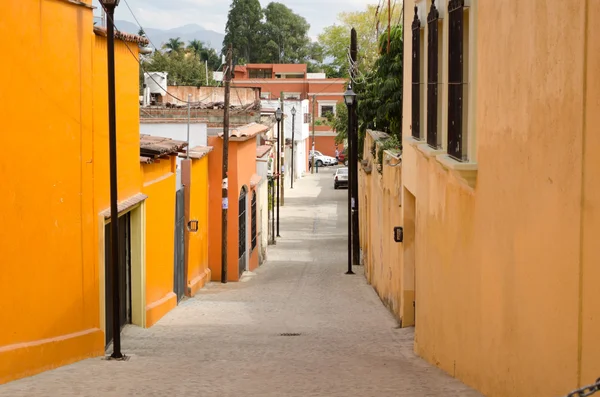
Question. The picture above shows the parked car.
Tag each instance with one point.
(340, 178)
(343, 157)
(321, 160)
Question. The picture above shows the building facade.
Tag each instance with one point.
(293, 82)
(499, 192)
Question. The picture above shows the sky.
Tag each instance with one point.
(212, 14)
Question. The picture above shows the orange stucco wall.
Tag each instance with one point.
(242, 165)
(159, 185)
(198, 271)
(58, 320)
(505, 270)
(48, 295)
(326, 145)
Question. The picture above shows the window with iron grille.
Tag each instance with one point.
(416, 76)
(432, 77)
(253, 222)
(456, 86)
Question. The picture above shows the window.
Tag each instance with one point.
(327, 109)
(265, 95)
(432, 77)
(292, 96)
(260, 73)
(253, 222)
(416, 76)
(457, 147)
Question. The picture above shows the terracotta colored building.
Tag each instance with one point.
(242, 214)
(294, 82)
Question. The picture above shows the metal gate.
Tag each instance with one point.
(124, 276)
(179, 282)
(242, 231)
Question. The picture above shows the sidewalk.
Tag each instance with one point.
(227, 341)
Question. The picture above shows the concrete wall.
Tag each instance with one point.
(240, 96)
(503, 244)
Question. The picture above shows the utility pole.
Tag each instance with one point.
(278, 117)
(224, 186)
(206, 70)
(314, 105)
(293, 146)
(282, 153)
(109, 6)
(354, 159)
(188, 126)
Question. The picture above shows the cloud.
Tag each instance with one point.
(212, 14)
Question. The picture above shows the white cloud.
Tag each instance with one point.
(212, 14)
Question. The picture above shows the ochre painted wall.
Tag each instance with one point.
(48, 288)
(159, 186)
(198, 273)
(505, 271)
(380, 212)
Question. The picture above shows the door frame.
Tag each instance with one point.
(138, 264)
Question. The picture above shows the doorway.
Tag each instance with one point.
(124, 276)
(409, 305)
(242, 231)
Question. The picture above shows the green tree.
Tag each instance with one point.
(380, 90)
(369, 24)
(182, 69)
(204, 54)
(174, 45)
(284, 36)
(244, 23)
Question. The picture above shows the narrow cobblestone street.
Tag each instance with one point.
(226, 341)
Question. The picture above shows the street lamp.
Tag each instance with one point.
(278, 117)
(349, 98)
(293, 143)
(109, 7)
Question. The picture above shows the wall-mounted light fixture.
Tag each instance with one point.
(398, 234)
(192, 226)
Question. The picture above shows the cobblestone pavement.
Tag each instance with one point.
(226, 341)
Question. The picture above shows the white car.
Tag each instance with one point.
(320, 159)
(340, 178)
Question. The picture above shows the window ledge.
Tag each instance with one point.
(466, 171)
(428, 151)
(412, 141)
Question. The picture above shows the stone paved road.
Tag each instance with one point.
(226, 341)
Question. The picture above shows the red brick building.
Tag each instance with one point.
(294, 82)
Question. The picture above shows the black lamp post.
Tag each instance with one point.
(293, 144)
(350, 98)
(278, 117)
(109, 7)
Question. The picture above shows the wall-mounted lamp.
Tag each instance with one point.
(398, 234)
(192, 226)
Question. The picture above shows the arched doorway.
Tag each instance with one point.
(242, 230)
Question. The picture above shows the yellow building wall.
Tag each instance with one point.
(590, 228)
(159, 185)
(48, 292)
(380, 212)
(505, 271)
(198, 273)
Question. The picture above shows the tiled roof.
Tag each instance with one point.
(125, 204)
(153, 147)
(255, 180)
(246, 132)
(198, 152)
(261, 151)
(132, 38)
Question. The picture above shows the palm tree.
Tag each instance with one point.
(174, 45)
(196, 47)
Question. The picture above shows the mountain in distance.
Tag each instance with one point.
(185, 33)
